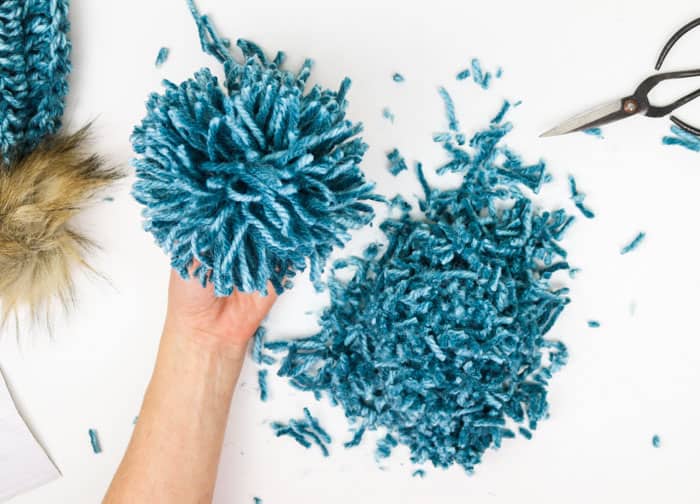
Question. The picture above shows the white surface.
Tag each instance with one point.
(23, 463)
(635, 376)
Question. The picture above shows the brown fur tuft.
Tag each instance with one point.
(38, 197)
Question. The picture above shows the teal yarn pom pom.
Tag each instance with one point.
(253, 180)
(34, 68)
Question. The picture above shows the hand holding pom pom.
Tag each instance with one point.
(222, 323)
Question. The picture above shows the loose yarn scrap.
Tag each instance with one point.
(596, 132)
(262, 384)
(578, 198)
(638, 239)
(253, 179)
(305, 431)
(162, 56)
(397, 163)
(478, 75)
(388, 114)
(95, 441)
(682, 138)
(440, 340)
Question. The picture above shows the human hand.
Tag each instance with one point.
(185, 409)
(223, 323)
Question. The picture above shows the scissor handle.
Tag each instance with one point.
(661, 111)
(685, 126)
(641, 95)
(672, 41)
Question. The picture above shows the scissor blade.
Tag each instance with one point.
(593, 117)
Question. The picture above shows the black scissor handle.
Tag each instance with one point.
(672, 41)
(641, 95)
(655, 79)
(685, 126)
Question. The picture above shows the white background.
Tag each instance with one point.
(635, 376)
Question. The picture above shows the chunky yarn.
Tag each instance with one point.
(246, 183)
(440, 338)
(34, 67)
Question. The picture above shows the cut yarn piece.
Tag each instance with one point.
(388, 114)
(162, 56)
(481, 78)
(464, 74)
(682, 138)
(596, 132)
(305, 431)
(634, 244)
(95, 441)
(253, 180)
(578, 198)
(478, 75)
(262, 384)
(397, 163)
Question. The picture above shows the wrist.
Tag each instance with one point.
(200, 341)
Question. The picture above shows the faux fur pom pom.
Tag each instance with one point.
(39, 195)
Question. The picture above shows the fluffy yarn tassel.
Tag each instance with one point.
(39, 247)
(251, 180)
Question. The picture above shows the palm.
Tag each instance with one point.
(232, 319)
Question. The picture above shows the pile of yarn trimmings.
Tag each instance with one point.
(438, 338)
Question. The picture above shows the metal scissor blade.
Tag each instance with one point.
(601, 114)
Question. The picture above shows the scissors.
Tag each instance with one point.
(638, 102)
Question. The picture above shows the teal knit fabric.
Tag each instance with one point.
(34, 68)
